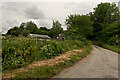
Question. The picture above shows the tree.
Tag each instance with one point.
(43, 31)
(14, 31)
(22, 26)
(79, 25)
(110, 32)
(104, 13)
(24, 29)
(32, 27)
(56, 29)
(105, 19)
(25, 33)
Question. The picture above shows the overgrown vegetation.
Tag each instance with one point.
(106, 25)
(44, 72)
(78, 27)
(102, 25)
(115, 48)
(20, 51)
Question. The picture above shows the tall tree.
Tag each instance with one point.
(14, 31)
(32, 27)
(22, 26)
(104, 13)
(25, 33)
(79, 24)
(105, 19)
(56, 29)
(43, 31)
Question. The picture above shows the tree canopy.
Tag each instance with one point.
(43, 31)
(105, 12)
(79, 24)
(31, 26)
(56, 29)
(102, 24)
(105, 19)
(14, 31)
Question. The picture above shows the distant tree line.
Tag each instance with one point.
(30, 27)
(103, 24)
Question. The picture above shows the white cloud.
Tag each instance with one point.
(58, 0)
(42, 13)
(34, 13)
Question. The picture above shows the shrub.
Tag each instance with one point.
(20, 51)
(112, 40)
(17, 51)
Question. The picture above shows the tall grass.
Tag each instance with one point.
(115, 48)
(47, 72)
(20, 51)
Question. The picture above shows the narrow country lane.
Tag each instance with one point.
(101, 63)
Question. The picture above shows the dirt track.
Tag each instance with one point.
(102, 63)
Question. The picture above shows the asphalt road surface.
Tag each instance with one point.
(101, 63)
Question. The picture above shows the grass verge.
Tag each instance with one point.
(114, 48)
(47, 72)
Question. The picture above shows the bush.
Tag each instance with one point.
(17, 51)
(56, 48)
(115, 48)
(112, 40)
(20, 51)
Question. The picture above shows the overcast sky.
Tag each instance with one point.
(42, 13)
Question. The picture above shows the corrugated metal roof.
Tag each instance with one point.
(40, 36)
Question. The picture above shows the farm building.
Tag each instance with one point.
(40, 36)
